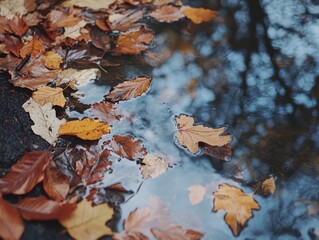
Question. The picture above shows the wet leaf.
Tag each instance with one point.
(268, 186)
(46, 95)
(126, 21)
(73, 32)
(34, 47)
(198, 15)
(80, 77)
(18, 26)
(222, 153)
(46, 124)
(58, 19)
(153, 166)
(86, 129)
(52, 60)
(13, 45)
(105, 111)
(41, 208)
(11, 224)
(87, 222)
(95, 5)
(196, 194)
(189, 135)
(175, 232)
(129, 89)
(26, 173)
(167, 13)
(127, 147)
(55, 183)
(237, 204)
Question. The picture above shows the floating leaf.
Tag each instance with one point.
(189, 135)
(105, 112)
(26, 173)
(87, 222)
(167, 13)
(86, 129)
(52, 60)
(237, 204)
(34, 47)
(153, 166)
(268, 186)
(129, 89)
(196, 194)
(46, 95)
(175, 232)
(198, 15)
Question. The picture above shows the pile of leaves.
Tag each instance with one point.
(41, 43)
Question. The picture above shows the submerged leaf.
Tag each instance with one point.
(175, 232)
(198, 15)
(196, 194)
(153, 166)
(105, 111)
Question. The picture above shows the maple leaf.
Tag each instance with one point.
(198, 15)
(11, 224)
(34, 47)
(268, 186)
(41, 208)
(175, 232)
(134, 41)
(167, 13)
(93, 4)
(129, 89)
(189, 135)
(55, 183)
(237, 204)
(26, 173)
(153, 166)
(127, 147)
(46, 124)
(196, 194)
(46, 95)
(86, 129)
(87, 222)
(52, 60)
(105, 112)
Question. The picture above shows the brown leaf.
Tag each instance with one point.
(268, 186)
(18, 26)
(129, 89)
(59, 19)
(196, 194)
(11, 225)
(55, 183)
(126, 21)
(189, 135)
(127, 147)
(222, 153)
(167, 13)
(105, 112)
(198, 15)
(26, 173)
(237, 204)
(34, 47)
(100, 39)
(13, 44)
(134, 41)
(175, 232)
(47, 94)
(52, 60)
(41, 208)
(33, 83)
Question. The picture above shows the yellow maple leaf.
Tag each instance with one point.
(47, 94)
(237, 204)
(52, 60)
(86, 129)
(87, 222)
(189, 135)
(198, 15)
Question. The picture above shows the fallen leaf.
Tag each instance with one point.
(153, 166)
(222, 153)
(46, 95)
(34, 47)
(18, 26)
(134, 41)
(12, 44)
(237, 204)
(93, 4)
(59, 19)
(87, 222)
(167, 13)
(127, 147)
(41, 208)
(52, 60)
(55, 183)
(198, 15)
(11, 224)
(196, 194)
(73, 32)
(105, 112)
(33, 83)
(80, 77)
(11, 8)
(86, 129)
(46, 124)
(189, 135)
(175, 232)
(26, 173)
(100, 39)
(129, 89)
(268, 186)
(127, 21)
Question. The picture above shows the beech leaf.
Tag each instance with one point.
(93, 4)
(153, 166)
(52, 60)
(167, 13)
(196, 194)
(198, 15)
(268, 186)
(175, 232)
(26, 173)
(46, 94)
(34, 47)
(105, 112)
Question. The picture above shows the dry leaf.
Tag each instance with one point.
(237, 204)
(175, 232)
(105, 112)
(55, 183)
(73, 32)
(11, 224)
(46, 95)
(41, 208)
(268, 186)
(189, 135)
(11, 8)
(127, 147)
(196, 194)
(87, 222)
(153, 166)
(198, 15)
(81, 77)
(46, 124)
(86, 129)
(26, 173)
(129, 89)
(34, 47)
(167, 13)
(52, 60)
(93, 4)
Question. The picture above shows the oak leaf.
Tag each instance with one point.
(52, 60)
(46, 95)
(167, 13)
(86, 129)
(46, 124)
(129, 89)
(93, 4)
(153, 166)
(105, 112)
(268, 186)
(237, 204)
(87, 222)
(11, 224)
(41, 208)
(198, 15)
(175, 232)
(189, 135)
(26, 173)
(34, 47)
(196, 194)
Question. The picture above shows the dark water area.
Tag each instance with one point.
(253, 69)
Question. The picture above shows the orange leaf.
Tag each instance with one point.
(47, 94)
(198, 15)
(18, 26)
(41, 208)
(129, 89)
(237, 204)
(34, 47)
(12, 44)
(52, 60)
(26, 173)
(167, 13)
(86, 129)
(11, 225)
